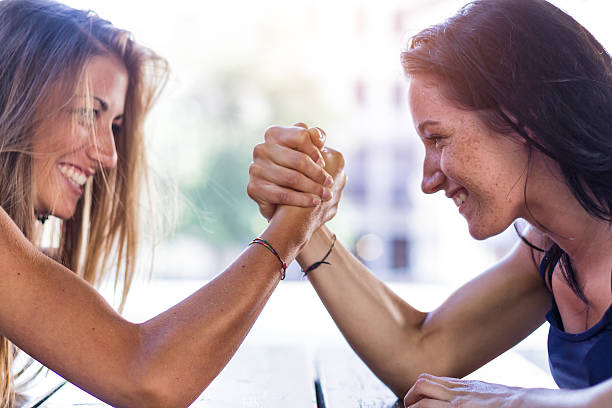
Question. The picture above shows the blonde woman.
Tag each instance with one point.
(74, 92)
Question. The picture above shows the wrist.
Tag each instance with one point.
(292, 225)
(315, 248)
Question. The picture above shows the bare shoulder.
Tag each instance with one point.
(12, 240)
(516, 276)
(526, 255)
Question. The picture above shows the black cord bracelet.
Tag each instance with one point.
(322, 261)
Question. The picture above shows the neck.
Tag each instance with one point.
(552, 208)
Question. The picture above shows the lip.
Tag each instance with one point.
(462, 207)
(452, 194)
(78, 191)
(74, 189)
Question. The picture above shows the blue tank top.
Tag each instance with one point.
(582, 359)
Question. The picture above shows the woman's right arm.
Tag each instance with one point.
(481, 320)
(60, 320)
(478, 322)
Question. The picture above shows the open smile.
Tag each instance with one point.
(75, 177)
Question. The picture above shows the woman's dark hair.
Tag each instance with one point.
(529, 68)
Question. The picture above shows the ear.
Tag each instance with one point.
(519, 129)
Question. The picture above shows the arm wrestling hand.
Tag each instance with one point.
(288, 168)
(307, 220)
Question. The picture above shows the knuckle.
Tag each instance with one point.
(253, 169)
(283, 197)
(270, 132)
(422, 377)
(459, 402)
(420, 384)
(302, 137)
(321, 174)
(259, 150)
(292, 179)
(297, 161)
(251, 190)
(275, 134)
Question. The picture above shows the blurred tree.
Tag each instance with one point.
(228, 113)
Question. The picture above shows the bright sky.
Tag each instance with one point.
(160, 24)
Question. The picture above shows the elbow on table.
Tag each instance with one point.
(152, 395)
(153, 381)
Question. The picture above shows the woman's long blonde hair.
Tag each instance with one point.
(44, 48)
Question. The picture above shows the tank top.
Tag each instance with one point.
(577, 360)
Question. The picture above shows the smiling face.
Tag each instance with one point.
(70, 147)
(481, 170)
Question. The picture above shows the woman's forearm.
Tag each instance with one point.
(601, 395)
(380, 327)
(185, 347)
(399, 342)
(166, 361)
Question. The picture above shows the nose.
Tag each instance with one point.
(433, 177)
(102, 147)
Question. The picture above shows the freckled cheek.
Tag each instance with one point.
(458, 168)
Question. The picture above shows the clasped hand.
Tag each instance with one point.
(293, 167)
(430, 391)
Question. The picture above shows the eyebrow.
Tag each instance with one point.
(426, 123)
(103, 104)
(104, 107)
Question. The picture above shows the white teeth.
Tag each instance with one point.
(73, 174)
(459, 199)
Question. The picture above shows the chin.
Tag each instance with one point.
(482, 231)
(62, 212)
(63, 215)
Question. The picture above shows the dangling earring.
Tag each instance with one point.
(42, 217)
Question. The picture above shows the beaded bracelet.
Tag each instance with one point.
(266, 244)
(322, 261)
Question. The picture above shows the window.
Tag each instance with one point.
(400, 253)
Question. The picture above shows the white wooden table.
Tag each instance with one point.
(294, 351)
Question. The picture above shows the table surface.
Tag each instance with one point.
(293, 353)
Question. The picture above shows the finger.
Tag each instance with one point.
(291, 159)
(317, 136)
(335, 161)
(284, 177)
(449, 382)
(301, 124)
(273, 194)
(426, 387)
(286, 157)
(296, 138)
(267, 210)
(340, 184)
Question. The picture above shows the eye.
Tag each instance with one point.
(116, 129)
(435, 139)
(86, 116)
